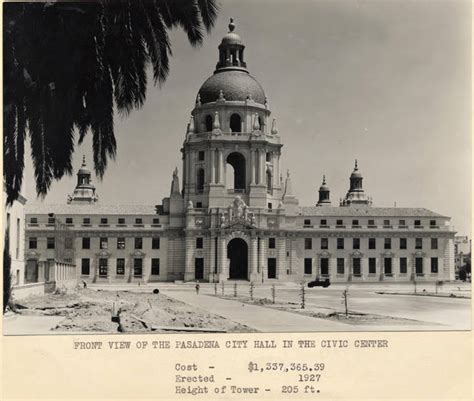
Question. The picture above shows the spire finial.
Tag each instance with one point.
(356, 168)
(324, 179)
(83, 160)
(231, 25)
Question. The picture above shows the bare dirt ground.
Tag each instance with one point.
(352, 318)
(87, 310)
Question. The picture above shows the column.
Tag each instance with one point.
(192, 170)
(213, 166)
(221, 166)
(262, 258)
(253, 265)
(276, 169)
(262, 166)
(212, 259)
(222, 260)
(189, 256)
(281, 262)
(252, 167)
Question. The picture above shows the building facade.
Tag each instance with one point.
(236, 216)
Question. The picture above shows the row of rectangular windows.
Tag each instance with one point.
(370, 224)
(87, 220)
(356, 266)
(372, 243)
(120, 266)
(103, 243)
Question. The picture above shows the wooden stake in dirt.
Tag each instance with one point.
(235, 290)
(345, 296)
(273, 293)
(215, 289)
(303, 293)
(252, 286)
(222, 288)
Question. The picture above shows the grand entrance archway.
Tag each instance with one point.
(237, 252)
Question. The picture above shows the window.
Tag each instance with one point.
(269, 206)
(121, 220)
(50, 243)
(68, 243)
(138, 221)
(340, 265)
(307, 222)
(137, 267)
(199, 243)
(434, 243)
(85, 267)
(371, 223)
(51, 220)
(34, 220)
(355, 243)
(138, 243)
(324, 222)
(200, 180)
(324, 266)
(401, 223)
(387, 243)
(103, 266)
(434, 265)
(355, 222)
(120, 267)
(403, 266)
(86, 243)
(418, 243)
(120, 243)
(339, 223)
(104, 220)
(372, 265)
(356, 266)
(103, 243)
(372, 243)
(69, 220)
(235, 123)
(268, 156)
(208, 123)
(271, 243)
(156, 221)
(155, 266)
(198, 205)
(386, 223)
(340, 243)
(324, 243)
(155, 243)
(387, 265)
(419, 266)
(201, 155)
(308, 266)
(271, 267)
(86, 220)
(432, 223)
(308, 243)
(33, 243)
(417, 223)
(403, 243)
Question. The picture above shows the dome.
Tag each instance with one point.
(84, 171)
(236, 85)
(231, 39)
(356, 174)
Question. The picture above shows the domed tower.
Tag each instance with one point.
(356, 195)
(324, 199)
(84, 191)
(231, 149)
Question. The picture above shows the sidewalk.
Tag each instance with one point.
(257, 317)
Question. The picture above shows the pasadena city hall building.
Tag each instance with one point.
(236, 216)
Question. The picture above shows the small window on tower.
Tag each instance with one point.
(201, 155)
(208, 123)
(235, 123)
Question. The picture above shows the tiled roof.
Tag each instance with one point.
(91, 209)
(329, 211)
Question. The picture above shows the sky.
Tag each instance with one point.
(384, 82)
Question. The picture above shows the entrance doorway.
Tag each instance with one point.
(237, 252)
(199, 268)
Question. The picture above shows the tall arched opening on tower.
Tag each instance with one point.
(237, 253)
(236, 181)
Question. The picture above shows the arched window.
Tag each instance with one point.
(261, 122)
(236, 181)
(235, 123)
(208, 123)
(200, 180)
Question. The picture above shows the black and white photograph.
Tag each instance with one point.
(218, 166)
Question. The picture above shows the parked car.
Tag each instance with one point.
(319, 283)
